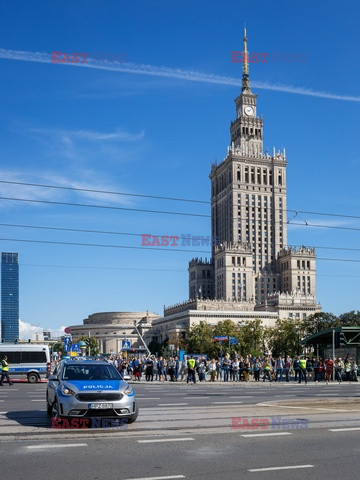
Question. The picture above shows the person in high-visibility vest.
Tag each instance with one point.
(5, 371)
(191, 370)
(302, 369)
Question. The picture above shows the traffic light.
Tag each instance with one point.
(340, 340)
(88, 342)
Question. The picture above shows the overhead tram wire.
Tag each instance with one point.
(149, 248)
(92, 190)
(108, 207)
(107, 232)
(159, 197)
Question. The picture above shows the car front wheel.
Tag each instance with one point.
(134, 415)
(55, 410)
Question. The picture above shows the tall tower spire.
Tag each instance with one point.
(245, 77)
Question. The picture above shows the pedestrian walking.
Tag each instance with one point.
(296, 367)
(257, 369)
(302, 370)
(246, 369)
(354, 370)
(212, 370)
(287, 366)
(267, 370)
(279, 365)
(191, 370)
(5, 371)
(339, 367)
(171, 369)
(329, 365)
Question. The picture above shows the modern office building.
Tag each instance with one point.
(9, 297)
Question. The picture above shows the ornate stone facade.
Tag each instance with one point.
(250, 258)
(110, 328)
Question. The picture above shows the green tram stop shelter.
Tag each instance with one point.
(347, 342)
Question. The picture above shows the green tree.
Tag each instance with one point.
(350, 319)
(252, 337)
(200, 339)
(319, 321)
(284, 338)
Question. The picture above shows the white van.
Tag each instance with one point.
(26, 360)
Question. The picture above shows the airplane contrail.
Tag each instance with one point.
(180, 74)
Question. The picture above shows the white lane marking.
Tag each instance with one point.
(170, 404)
(149, 398)
(181, 439)
(265, 434)
(42, 400)
(158, 478)
(48, 446)
(242, 396)
(285, 395)
(226, 403)
(3, 413)
(350, 429)
(268, 469)
(286, 406)
(2, 400)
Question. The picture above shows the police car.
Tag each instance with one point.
(90, 387)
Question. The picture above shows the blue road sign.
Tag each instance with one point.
(125, 345)
(76, 347)
(67, 341)
(234, 341)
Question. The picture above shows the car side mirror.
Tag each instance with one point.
(53, 378)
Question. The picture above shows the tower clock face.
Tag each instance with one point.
(249, 111)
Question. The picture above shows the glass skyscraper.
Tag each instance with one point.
(9, 297)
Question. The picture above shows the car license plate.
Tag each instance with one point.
(100, 406)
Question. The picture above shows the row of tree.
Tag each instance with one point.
(254, 338)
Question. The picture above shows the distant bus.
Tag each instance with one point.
(26, 360)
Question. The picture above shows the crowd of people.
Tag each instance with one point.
(237, 368)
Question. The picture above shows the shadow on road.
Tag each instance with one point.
(30, 418)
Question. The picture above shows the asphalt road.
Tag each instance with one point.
(185, 431)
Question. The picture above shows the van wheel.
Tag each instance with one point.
(33, 377)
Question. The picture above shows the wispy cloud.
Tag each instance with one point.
(180, 74)
(68, 135)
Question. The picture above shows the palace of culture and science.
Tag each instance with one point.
(252, 272)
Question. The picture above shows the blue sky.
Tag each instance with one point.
(154, 125)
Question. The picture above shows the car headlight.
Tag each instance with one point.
(66, 391)
(128, 390)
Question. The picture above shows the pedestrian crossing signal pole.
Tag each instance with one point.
(88, 342)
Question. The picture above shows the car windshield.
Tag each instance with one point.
(90, 372)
